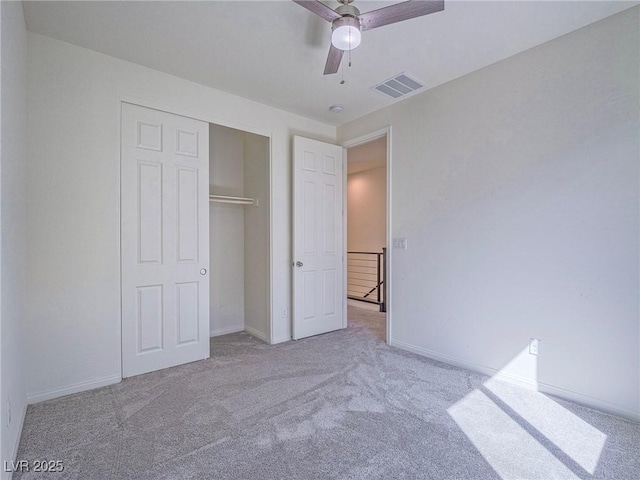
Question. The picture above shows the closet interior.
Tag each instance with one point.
(239, 232)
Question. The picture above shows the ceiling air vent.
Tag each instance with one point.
(399, 86)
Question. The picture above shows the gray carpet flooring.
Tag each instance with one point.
(338, 406)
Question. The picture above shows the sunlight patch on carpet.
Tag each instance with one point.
(522, 432)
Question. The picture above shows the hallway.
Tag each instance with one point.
(364, 316)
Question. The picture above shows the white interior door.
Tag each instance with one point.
(165, 239)
(318, 243)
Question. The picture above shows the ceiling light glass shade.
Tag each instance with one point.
(346, 33)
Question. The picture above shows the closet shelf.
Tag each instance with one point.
(234, 200)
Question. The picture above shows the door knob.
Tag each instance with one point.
(299, 263)
(203, 271)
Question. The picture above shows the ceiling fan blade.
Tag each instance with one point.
(399, 12)
(318, 8)
(333, 60)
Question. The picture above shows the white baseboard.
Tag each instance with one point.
(226, 331)
(16, 445)
(280, 340)
(71, 389)
(256, 333)
(586, 400)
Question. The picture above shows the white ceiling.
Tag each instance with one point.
(274, 51)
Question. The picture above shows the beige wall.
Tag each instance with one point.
(517, 189)
(367, 210)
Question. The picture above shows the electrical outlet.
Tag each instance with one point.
(534, 345)
(8, 413)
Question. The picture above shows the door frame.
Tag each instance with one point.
(354, 142)
(211, 119)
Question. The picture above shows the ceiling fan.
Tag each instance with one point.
(347, 22)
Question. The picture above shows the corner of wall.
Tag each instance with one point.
(258, 334)
(13, 59)
(226, 331)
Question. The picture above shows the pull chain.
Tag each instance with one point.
(342, 82)
(350, 48)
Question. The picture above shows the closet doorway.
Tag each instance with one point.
(239, 232)
(195, 236)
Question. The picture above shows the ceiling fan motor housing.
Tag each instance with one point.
(348, 11)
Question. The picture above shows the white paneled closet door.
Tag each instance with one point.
(165, 239)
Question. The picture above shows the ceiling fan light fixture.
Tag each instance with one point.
(347, 22)
(345, 33)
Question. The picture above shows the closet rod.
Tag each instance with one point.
(234, 200)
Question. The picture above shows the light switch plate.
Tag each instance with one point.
(400, 243)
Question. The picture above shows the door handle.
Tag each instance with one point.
(203, 271)
(299, 263)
